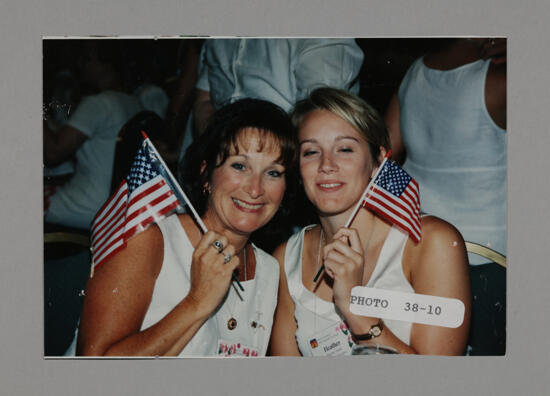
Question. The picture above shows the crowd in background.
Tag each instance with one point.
(181, 80)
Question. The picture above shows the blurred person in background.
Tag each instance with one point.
(89, 135)
(447, 125)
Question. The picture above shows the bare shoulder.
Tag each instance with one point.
(439, 231)
(441, 242)
(440, 237)
(144, 252)
(496, 81)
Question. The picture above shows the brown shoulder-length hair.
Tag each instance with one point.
(212, 148)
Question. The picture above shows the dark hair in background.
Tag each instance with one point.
(108, 51)
(214, 146)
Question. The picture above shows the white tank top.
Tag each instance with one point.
(314, 314)
(254, 315)
(455, 150)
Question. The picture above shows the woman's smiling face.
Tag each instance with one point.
(335, 162)
(247, 189)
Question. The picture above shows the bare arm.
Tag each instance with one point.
(344, 263)
(61, 145)
(436, 266)
(441, 269)
(118, 296)
(203, 108)
(393, 120)
(283, 339)
(495, 93)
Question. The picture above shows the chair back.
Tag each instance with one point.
(129, 140)
(64, 243)
(486, 252)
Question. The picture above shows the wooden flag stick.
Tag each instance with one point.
(357, 206)
(181, 196)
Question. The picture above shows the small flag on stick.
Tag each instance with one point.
(147, 195)
(143, 197)
(394, 196)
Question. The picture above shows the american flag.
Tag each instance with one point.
(395, 196)
(143, 197)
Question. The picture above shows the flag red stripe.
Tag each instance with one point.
(104, 259)
(103, 243)
(149, 190)
(378, 203)
(113, 217)
(148, 220)
(400, 204)
(120, 192)
(414, 205)
(125, 214)
(415, 235)
(153, 209)
(413, 193)
(111, 198)
(100, 232)
(405, 226)
(117, 243)
(110, 238)
(132, 214)
(106, 228)
(385, 195)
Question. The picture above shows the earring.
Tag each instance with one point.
(206, 189)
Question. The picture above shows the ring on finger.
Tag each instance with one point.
(218, 245)
(226, 258)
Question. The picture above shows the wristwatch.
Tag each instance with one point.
(375, 331)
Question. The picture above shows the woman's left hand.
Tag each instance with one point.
(344, 262)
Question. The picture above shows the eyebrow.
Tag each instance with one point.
(337, 139)
(279, 162)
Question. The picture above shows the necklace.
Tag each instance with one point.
(321, 235)
(232, 322)
(321, 238)
(368, 242)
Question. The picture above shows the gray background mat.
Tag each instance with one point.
(524, 370)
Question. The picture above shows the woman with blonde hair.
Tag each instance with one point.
(342, 142)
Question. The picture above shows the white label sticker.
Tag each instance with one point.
(409, 307)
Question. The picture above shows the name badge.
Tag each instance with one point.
(335, 340)
(228, 349)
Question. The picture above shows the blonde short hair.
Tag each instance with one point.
(352, 109)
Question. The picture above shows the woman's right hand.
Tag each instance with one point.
(210, 274)
(344, 263)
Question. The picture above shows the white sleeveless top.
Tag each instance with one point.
(173, 283)
(455, 150)
(254, 315)
(314, 314)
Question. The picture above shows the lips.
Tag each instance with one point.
(330, 186)
(247, 206)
